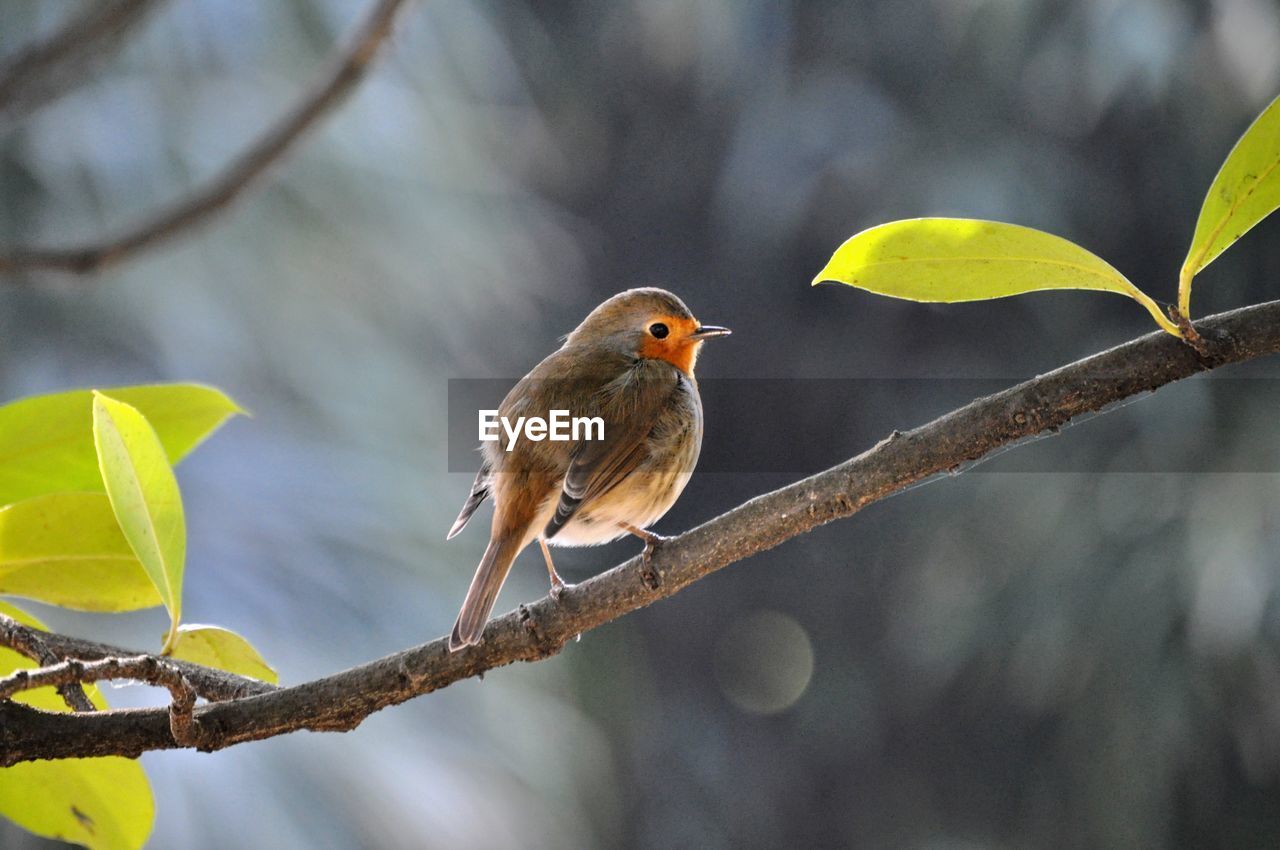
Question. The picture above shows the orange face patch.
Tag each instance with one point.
(677, 348)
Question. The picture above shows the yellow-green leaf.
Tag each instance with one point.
(67, 549)
(144, 497)
(214, 646)
(101, 803)
(1246, 190)
(46, 444)
(956, 259)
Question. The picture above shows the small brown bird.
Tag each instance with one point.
(630, 363)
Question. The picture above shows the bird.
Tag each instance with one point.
(630, 363)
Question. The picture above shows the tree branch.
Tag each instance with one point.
(348, 69)
(48, 69)
(541, 629)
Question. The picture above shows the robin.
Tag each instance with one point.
(630, 363)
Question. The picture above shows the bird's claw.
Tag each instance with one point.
(652, 541)
(558, 588)
(647, 573)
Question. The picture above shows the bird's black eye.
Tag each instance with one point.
(659, 330)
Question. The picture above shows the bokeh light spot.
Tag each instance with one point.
(764, 662)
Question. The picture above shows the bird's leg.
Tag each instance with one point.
(651, 542)
(557, 584)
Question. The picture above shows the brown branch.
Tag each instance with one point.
(48, 648)
(50, 68)
(541, 629)
(144, 668)
(348, 69)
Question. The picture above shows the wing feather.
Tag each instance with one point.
(630, 407)
(479, 492)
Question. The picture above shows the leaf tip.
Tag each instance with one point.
(233, 407)
(824, 276)
(236, 408)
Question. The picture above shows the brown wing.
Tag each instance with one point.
(630, 407)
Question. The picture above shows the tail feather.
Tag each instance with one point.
(483, 592)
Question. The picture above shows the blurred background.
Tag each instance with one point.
(1073, 645)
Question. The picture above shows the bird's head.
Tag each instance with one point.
(649, 323)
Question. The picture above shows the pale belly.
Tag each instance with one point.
(640, 500)
(647, 493)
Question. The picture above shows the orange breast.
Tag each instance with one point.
(681, 354)
(677, 349)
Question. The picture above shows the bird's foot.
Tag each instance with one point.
(652, 541)
(558, 587)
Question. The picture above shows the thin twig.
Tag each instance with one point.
(33, 644)
(348, 69)
(50, 68)
(143, 668)
(209, 684)
(541, 629)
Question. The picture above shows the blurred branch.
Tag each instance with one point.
(50, 68)
(348, 69)
(541, 629)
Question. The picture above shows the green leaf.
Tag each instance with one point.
(46, 445)
(144, 496)
(1246, 190)
(957, 259)
(101, 803)
(214, 646)
(67, 549)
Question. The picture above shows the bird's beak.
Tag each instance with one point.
(709, 331)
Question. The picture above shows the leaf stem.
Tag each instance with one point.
(1184, 290)
(170, 639)
(1153, 308)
